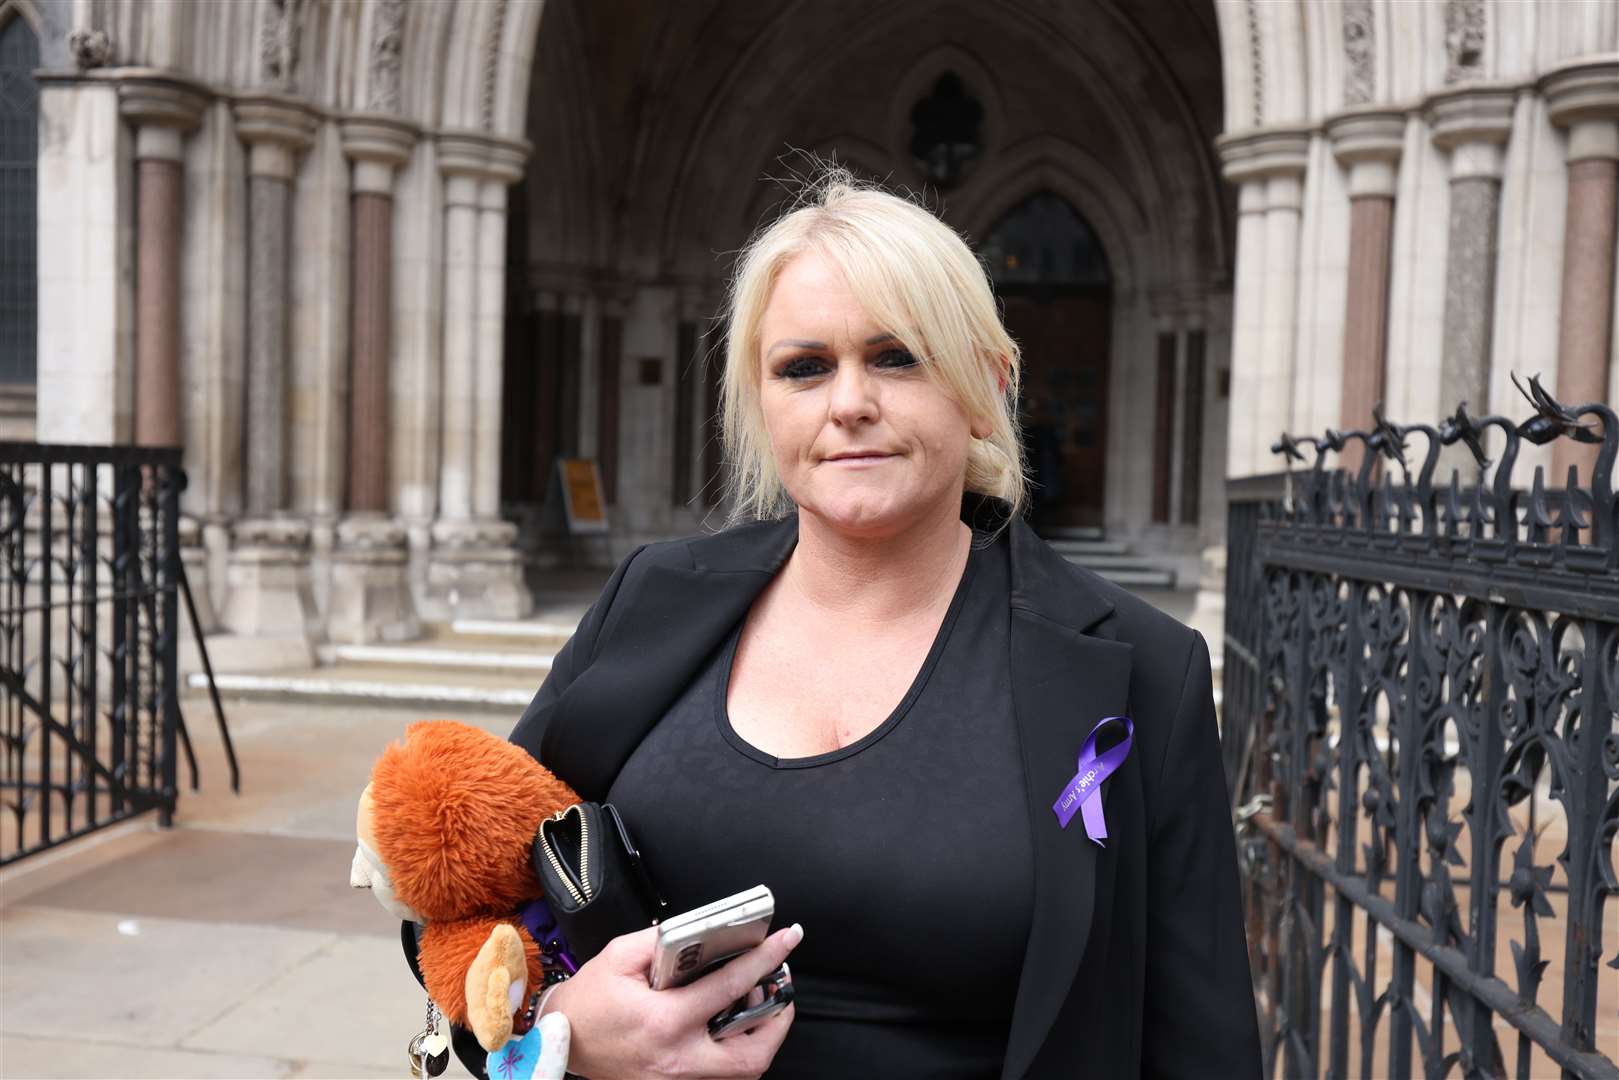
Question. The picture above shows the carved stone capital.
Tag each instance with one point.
(1264, 153)
(377, 145)
(481, 156)
(1584, 97)
(277, 129)
(1368, 143)
(156, 97)
(480, 535)
(289, 533)
(163, 109)
(368, 534)
(1473, 113)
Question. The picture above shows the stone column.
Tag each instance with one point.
(276, 131)
(1584, 98)
(1269, 164)
(475, 570)
(370, 599)
(1367, 143)
(270, 605)
(163, 111)
(1472, 123)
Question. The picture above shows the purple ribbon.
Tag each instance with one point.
(542, 927)
(1082, 793)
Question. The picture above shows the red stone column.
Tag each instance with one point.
(377, 145)
(370, 599)
(1368, 143)
(1585, 99)
(162, 111)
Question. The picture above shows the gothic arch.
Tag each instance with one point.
(24, 10)
(919, 80)
(1047, 163)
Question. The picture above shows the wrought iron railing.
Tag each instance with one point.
(1420, 690)
(90, 585)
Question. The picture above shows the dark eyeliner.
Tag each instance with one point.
(801, 367)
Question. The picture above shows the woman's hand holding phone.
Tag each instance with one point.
(624, 1029)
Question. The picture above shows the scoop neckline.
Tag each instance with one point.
(722, 715)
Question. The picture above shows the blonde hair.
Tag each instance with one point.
(919, 281)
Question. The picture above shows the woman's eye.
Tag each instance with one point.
(802, 367)
(896, 358)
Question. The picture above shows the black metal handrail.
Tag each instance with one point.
(90, 581)
(1418, 673)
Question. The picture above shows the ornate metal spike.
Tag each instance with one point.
(1288, 447)
(1551, 418)
(1390, 439)
(1459, 427)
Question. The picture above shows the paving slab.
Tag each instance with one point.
(217, 876)
(345, 1003)
(26, 1055)
(104, 977)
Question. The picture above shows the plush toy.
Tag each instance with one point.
(445, 830)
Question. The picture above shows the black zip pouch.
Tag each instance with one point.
(595, 881)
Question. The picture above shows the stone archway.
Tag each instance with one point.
(1056, 289)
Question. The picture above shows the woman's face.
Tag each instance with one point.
(863, 440)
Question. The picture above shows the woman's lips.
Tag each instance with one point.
(859, 459)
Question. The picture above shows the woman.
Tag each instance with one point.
(868, 700)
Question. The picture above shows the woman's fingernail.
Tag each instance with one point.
(795, 934)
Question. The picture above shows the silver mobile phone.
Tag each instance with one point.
(692, 943)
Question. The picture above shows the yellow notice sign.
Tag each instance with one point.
(582, 495)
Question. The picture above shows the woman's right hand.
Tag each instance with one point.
(625, 1030)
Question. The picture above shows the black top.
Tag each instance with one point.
(905, 855)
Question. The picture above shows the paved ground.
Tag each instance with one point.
(230, 945)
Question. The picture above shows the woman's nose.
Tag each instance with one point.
(854, 395)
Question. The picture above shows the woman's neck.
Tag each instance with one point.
(879, 579)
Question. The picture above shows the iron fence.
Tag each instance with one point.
(90, 585)
(1420, 691)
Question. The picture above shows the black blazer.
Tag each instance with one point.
(1136, 963)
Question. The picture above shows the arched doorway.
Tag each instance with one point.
(1056, 289)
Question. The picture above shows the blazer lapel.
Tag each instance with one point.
(676, 617)
(1063, 682)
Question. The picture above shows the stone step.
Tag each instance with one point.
(1089, 547)
(1073, 532)
(433, 657)
(1096, 560)
(552, 631)
(1137, 576)
(372, 684)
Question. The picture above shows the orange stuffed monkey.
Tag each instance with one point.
(445, 829)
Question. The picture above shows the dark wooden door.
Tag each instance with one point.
(1064, 337)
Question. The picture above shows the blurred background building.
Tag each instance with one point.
(378, 265)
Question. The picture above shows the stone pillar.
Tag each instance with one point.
(370, 598)
(475, 570)
(1247, 308)
(276, 131)
(1367, 143)
(1584, 98)
(163, 111)
(1472, 123)
(504, 169)
(1270, 166)
(270, 602)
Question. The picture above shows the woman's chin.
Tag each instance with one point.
(860, 516)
